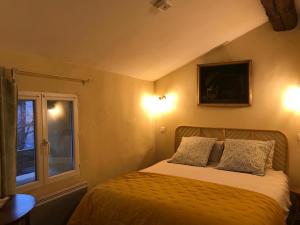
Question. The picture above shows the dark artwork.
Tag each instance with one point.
(224, 84)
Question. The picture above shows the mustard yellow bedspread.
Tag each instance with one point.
(153, 199)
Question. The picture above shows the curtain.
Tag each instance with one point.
(8, 123)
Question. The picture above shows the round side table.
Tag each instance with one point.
(17, 208)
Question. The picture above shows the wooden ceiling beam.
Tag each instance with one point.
(282, 14)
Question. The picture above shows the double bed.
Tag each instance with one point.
(168, 193)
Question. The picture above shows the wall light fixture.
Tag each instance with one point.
(159, 104)
(291, 99)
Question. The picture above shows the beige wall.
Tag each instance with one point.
(116, 134)
(276, 65)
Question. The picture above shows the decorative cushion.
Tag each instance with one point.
(193, 151)
(247, 156)
(271, 156)
(216, 153)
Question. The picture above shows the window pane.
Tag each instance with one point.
(26, 146)
(60, 136)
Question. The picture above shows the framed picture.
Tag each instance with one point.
(225, 84)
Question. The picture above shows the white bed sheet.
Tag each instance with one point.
(274, 184)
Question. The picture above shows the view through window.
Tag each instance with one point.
(26, 169)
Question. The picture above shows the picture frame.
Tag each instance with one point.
(226, 84)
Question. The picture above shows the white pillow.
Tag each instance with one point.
(193, 151)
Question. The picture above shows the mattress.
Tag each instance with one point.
(274, 184)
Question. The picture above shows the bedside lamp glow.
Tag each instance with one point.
(292, 99)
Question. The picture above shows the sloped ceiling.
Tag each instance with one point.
(128, 37)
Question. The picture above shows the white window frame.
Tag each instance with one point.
(41, 134)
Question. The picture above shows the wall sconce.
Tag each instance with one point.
(292, 99)
(159, 104)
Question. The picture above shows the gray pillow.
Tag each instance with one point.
(247, 156)
(193, 151)
(216, 153)
(269, 163)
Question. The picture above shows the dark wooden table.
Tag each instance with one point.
(17, 208)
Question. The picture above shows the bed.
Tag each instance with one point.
(176, 194)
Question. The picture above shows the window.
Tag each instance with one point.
(26, 148)
(47, 138)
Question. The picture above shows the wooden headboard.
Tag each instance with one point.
(281, 146)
